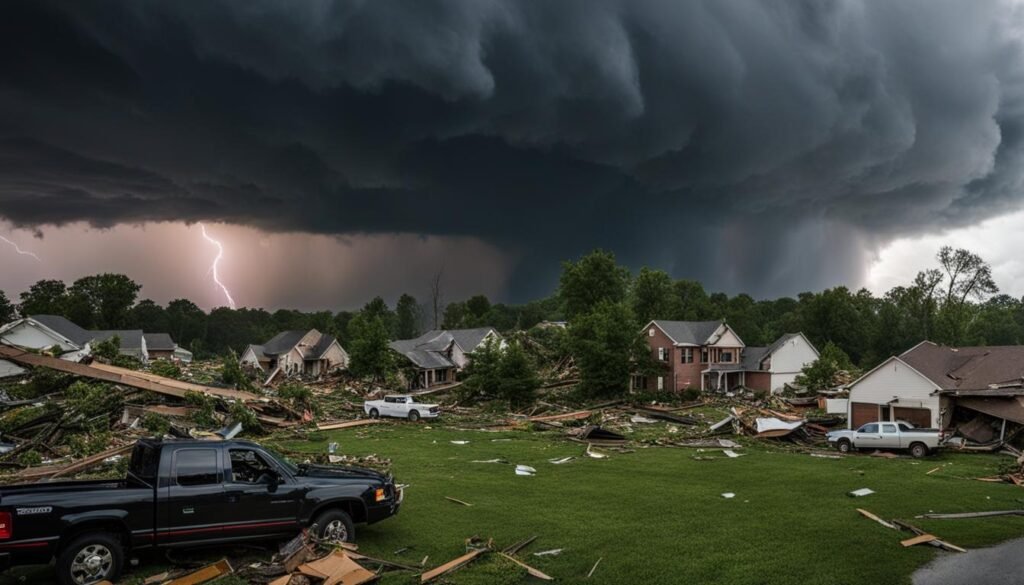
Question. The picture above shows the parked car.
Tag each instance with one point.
(888, 435)
(184, 493)
(401, 406)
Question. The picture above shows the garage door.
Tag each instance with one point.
(919, 417)
(862, 413)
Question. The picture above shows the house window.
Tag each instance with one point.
(725, 357)
(440, 375)
(650, 332)
(663, 354)
(661, 382)
(686, 355)
(704, 355)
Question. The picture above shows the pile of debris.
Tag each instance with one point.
(68, 418)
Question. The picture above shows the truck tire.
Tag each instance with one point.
(414, 415)
(844, 446)
(90, 558)
(335, 525)
(374, 413)
(918, 450)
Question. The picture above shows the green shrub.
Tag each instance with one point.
(85, 444)
(92, 399)
(157, 424)
(109, 348)
(165, 368)
(231, 373)
(205, 408)
(30, 458)
(240, 413)
(298, 395)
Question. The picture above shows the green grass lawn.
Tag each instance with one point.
(657, 515)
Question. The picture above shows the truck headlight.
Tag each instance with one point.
(379, 495)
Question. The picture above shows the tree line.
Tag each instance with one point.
(955, 302)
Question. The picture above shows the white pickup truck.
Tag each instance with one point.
(401, 407)
(887, 435)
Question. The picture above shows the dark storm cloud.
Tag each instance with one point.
(689, 135)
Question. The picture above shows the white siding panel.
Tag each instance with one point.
(895, 382)
(728, 339)
(793, 356)
(32, 337)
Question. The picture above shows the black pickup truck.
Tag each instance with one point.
(184, 493)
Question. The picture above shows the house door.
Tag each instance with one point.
(862, 413)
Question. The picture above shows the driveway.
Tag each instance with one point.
(1003, 564)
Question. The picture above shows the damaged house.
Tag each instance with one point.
(436, 356)
(53, 331)
(709, 355)
(976, 390)
(308, 353)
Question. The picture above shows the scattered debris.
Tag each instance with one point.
(345, 424)
(731, 454)
(459, 442)
(533, 572)
(561, 461)
(728, 495)
(594, 568)
(525, 470)
(871, 516)
(935, 542)
(973, 514)
(861, 492)
(207, 573)
(457, 501)
(452, 565)
(594, 454)
(549, 553)
(489, 461)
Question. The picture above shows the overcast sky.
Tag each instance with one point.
(344, 149)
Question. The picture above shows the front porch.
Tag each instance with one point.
(722, 379)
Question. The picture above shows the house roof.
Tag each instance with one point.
(159, 342)
(689, 332)
(967, 368)
(429, 350)
(283, 342)
(65, 327)
(321, 347)
(752, 357)
(258, 350)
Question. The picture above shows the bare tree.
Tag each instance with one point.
(969, 276)
(437, 295)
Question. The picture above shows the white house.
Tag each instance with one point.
(895, 390)
(53, 331)
(437, 355)
(771, 368)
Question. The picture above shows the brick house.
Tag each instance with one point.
(709, 355)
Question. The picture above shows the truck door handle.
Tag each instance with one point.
(234, 497)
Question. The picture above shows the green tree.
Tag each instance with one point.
(149, 316)
(370, 355)
(694, 303)
(824, 372)
(7, 311)
(187, 322)
(482, 376)
(407, 317)
(517, 376)
(605, 347)
(46, 297)
(653, 296)
(105, 298)
(593, 279)
(378, 308)
(231, 372)
(108, 349)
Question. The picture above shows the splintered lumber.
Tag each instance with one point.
(973, 514)
(333, 426)
(871, 516)
(337, 568)
(52, 471)
(594, 568)
(123, 376)
(533, 572)
(664, 414)
(578, 415)
(457, 501)
(451, 565)
(386, 564)
(514, 548)
(207, 573)
(938, 543)
(919, 539)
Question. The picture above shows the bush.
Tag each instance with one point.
(690, 394)
(165, 368)
(30, 458)
(298, 395)
(83, 444)
(42, 381)
(108, 349)
(92, 400)
(231, 372)
(205, 408)
(157, 424)
(242, 414)
(18, 417)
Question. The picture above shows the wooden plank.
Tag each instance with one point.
(457, 501)
(578, 415)
(514, 548)
(333, 426)
(450, 565)
(533, 572)
(871, 516)
(974, 514)
(920, 539)
(80, 465)
(207, 573)
(123, 376)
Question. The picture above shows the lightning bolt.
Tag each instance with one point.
(19, 250)
(216, 261)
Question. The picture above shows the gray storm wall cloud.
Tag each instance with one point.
(759, 146)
